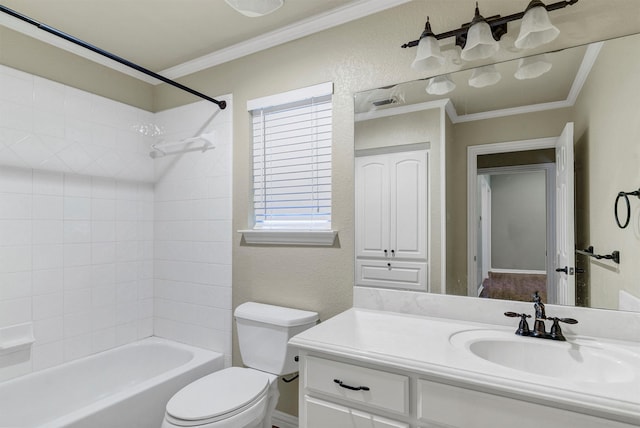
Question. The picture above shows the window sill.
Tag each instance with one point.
(289, 237)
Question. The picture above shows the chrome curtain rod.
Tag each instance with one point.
(222, 104)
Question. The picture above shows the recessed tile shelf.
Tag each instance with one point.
(16, 338)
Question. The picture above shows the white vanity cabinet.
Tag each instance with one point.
(391, 219)
(380, 396)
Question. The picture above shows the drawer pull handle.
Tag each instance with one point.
(352, 388)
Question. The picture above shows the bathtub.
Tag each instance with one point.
(125, 387)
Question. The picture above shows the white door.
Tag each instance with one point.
(372, 206)
(408, 202)
(565, 234)
(484, 226)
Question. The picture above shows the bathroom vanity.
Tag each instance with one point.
(390, 370)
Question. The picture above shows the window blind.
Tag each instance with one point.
(292, 165)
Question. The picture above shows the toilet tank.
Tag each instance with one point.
(264, 332)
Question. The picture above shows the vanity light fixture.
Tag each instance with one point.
(440, 85)
(484, 76)
(479, 38)
(482, 39)
(255, 8)
(536, 29)
(428, 57)
(532, 67)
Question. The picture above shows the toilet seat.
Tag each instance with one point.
(218, 396)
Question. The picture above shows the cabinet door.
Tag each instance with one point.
(322, 414)
(372, 206)
(408, 204)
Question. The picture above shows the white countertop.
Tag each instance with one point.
(422, 345)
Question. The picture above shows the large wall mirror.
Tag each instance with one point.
(522, 178)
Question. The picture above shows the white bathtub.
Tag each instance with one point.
(125, 387)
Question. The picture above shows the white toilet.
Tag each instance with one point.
(244, 397)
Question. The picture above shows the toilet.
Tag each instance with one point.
(238, 397)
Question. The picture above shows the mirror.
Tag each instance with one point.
(593, 87)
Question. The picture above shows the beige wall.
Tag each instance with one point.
(607, 137)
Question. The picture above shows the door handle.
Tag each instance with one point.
(567, 270)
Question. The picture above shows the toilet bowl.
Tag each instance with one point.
(239, 397)
(230, 398)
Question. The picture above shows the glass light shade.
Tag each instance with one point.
(480, 42)
(428, 57)
(255, 8)
(440, 85)
(536, 29)
(532, 67)
(484, 76)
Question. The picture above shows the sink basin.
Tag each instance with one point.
(581, 361)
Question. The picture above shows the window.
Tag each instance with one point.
(292, 160)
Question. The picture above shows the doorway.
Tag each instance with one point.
(516, 228)
(475, 260)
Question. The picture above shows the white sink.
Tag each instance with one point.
(575, 360)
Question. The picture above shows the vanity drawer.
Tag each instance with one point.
(389, 273)
(386, 391)
(321, 414)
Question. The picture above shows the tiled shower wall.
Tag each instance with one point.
(193, 231)
(76, 259)
(77, 225)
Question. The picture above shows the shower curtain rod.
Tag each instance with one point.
(222, 104)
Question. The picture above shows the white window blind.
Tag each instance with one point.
(292, 165)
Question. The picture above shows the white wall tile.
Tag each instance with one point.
(15, 232)
(48, 232)
(48, 281)
(103, 209)
(15, 206)
(77, 347)
(77, 208)
(47, 355)
(77, 231)
(15, 285)
(15, 180)
(77, 323)
(77, 185)
(77, 254)
(48, 207)
(15, 311)
(48, 257)
(15, 258)
(47, 306)
(77, 277)
(48, 330)
(103, 316)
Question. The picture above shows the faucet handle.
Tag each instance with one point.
(523, 327)
(556, 332)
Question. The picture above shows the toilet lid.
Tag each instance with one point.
(214, 395)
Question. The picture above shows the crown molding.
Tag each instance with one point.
(314, 24)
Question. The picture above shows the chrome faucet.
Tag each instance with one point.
(539, 329)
